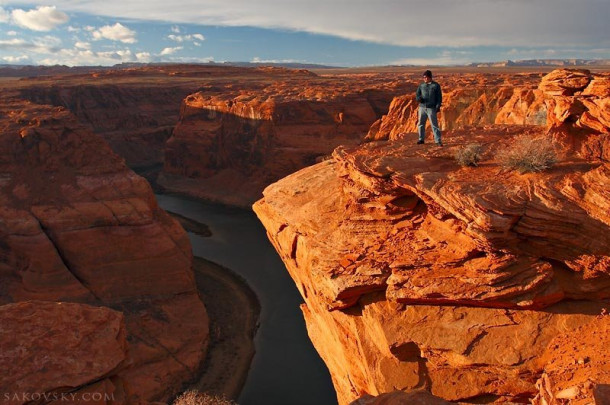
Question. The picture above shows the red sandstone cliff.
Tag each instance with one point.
(77, 225)
(135, 118)
(418, 273)
(64, 352)
(227, 147)
(133, 109)
(476, 101)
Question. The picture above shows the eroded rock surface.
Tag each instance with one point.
(572, 96)
(134, 109)
(51, 348)
(135, 113)
(419, 397)
(77, 225)
(419, 273)
(577, 366)
(228, 146)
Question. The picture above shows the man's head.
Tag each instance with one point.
(427, 76)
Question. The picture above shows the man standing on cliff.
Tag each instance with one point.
(430, 98)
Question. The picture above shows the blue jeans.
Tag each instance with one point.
(423, 115)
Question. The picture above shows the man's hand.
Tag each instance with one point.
(438, 109)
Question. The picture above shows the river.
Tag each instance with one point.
(286, 369)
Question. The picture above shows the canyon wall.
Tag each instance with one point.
(420, 274)
(136, 120)
(239, 130)
(133, 109)
(76, 225)
(227, 147)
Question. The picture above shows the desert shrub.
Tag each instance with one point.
(201, 398)
(529, 154)
(469, 155)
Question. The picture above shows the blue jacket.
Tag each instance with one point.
(429, 95)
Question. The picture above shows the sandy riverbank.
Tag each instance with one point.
(191, 226)
(233, 310)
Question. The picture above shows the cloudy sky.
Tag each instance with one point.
(333, 32)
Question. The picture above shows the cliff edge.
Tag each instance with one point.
(419, 273)
(76, 225)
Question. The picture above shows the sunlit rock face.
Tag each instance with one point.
(573, 96)
(419, 273)
(576, 366)
(76, 225)
(227, 147)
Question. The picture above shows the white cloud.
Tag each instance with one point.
(48, 41)
(43, 45)
(82, 45)
(175, 29)
(80, 57)
(437, 61)
(186, 38)
(89, 28)
(256, 59)
(531, 53)
(7, 43)
(4, 15)
(11, 33)
(176, 38)
(43, 18)
(170, 51)
(445, 57)
(143, 57)
(187, 59)
(15, 59)
(73, 29)
(399, 22)
(116, 32)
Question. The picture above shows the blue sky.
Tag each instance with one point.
(332, 32)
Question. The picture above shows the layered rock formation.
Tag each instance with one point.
(417, 273)
(477, 100)
(133, 109)
(135, 117)
(228, 147)
(221, 157)
(61, 351)
(77, 225)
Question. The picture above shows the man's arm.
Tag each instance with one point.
(418, 95)
(439, 98)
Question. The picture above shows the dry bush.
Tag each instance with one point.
(469, 155)
(201, 398)
(529, 154)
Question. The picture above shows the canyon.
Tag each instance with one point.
(100, 274)
(416, 273)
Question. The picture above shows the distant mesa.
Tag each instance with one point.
(544, 62)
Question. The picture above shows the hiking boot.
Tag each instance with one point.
(420, 142)
(439, 144)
